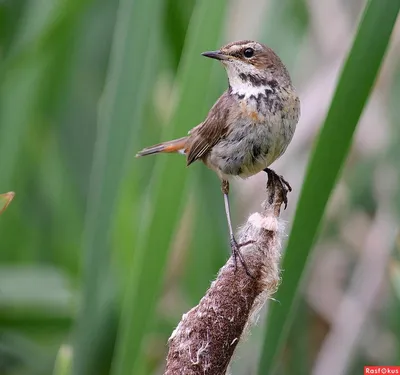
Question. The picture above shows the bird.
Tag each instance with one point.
(249, 126)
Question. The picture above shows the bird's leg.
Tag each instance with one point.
(235, 247)
(278, 181)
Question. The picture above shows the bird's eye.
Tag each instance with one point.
(248, 52)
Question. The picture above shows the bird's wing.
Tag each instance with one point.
(215, 127)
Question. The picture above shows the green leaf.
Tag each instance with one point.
(22, 355)
(395, 277)
(167, 192)
(207, 253)
(355, 84)
(26, 73)
(133, 65)
(35, 296)
(5, 200)
(63, 363)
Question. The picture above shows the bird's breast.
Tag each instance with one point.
(260, 130)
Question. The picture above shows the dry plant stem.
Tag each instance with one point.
(352, 315)
(5, 200)
(206, 337)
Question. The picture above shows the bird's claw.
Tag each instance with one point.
(285, 189)
(236, 254)
(284, 186)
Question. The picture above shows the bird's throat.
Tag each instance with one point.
(246, 91)
(245, 86)
(258, 97)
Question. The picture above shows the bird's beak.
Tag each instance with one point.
(218, 55)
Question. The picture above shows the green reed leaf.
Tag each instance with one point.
(167, 191)
(131, 76)
(355, 84)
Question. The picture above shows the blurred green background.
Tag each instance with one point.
(102, 253)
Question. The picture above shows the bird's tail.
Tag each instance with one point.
(176, 145)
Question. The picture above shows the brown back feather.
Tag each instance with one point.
(204, 136)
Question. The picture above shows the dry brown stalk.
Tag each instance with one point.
(206, 337)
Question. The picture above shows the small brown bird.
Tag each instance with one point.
(250, 125)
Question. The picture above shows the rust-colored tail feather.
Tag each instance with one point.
(176, 145)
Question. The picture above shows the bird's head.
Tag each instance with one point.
(250, 62)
